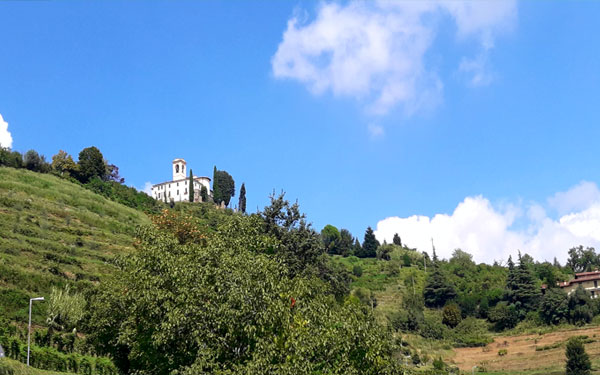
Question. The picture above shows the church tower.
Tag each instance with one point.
(179, 172)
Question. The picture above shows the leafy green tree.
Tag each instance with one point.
(223, 187)
(229, 307)
(9, 158)
(32, 161)
(384, 252)
(191, 186)
(503, 315)
(242, 200)
(396, 240)
(331, 239)
(91, 164)
(582, 260)
(580, 307)
(451, 315)
(578, 361)
(370, 245)
(554, 307)
(438, 290)
(63, 164)
(112, 174)
(204, 193)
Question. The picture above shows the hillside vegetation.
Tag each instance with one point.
(12, 367)
(53, 232)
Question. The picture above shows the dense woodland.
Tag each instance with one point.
(220, 291)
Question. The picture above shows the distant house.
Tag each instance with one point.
(177, 189)
(588, 280)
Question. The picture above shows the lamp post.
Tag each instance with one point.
(29, 331)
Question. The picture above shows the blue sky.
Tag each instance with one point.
(385, 115)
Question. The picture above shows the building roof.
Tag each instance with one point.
(584, 274)
(581, 277)
(183, 179)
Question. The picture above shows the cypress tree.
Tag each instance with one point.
(242, 201)
(397, 240)
(370, 244)
(216, 189)
(578, 362)
(204, 193)
(191, 187)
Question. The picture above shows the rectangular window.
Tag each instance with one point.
(595, 283)
(177, 192)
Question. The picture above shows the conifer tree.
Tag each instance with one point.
(396, 240)
(578, 362)
(204, 193)
(521, 287)
(216, 190)
(191, 187)
(242, 200)
(370, 245)
(438, 289)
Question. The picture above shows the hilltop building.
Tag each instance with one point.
(588, 280)
(177, 189)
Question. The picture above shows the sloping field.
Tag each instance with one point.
(12, 367)
(528, 354)
(53, 231)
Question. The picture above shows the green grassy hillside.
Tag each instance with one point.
(53, 231)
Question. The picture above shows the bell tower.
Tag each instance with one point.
(179, 172)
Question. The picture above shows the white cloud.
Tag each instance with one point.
(576, 198)
(375, 130)
(489, 234)
(5, 136)
(147, 188)
(375, 51)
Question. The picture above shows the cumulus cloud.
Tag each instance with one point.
(5, 136)
(375, 51)
(576, 198)
(489, 233)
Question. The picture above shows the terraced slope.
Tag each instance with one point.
(53, 231)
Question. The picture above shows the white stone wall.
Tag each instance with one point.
(177, 191)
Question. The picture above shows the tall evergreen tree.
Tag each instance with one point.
(396, 240)
(345, 243)
(521, 287)
(204, 193)
(91, 164)
(578, 361)
(370, 245)
(242, 200)
(438, 290)
(216, 188)
(191, 187)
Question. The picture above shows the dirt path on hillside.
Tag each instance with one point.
(521, 354)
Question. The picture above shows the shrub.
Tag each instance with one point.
(578, 362)
(472, 332)
(502, 352)
(357, 270)
(451, 315)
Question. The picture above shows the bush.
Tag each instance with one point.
(502, 352)
(578, 362)
(433, 328)
(357, 270)
(451, 315)
(472, 332)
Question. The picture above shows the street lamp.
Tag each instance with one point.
(29, 331)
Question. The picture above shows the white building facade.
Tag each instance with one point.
(178, 189)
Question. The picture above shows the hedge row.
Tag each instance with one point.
(48, 358)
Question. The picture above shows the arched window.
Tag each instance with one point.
(176, 168)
